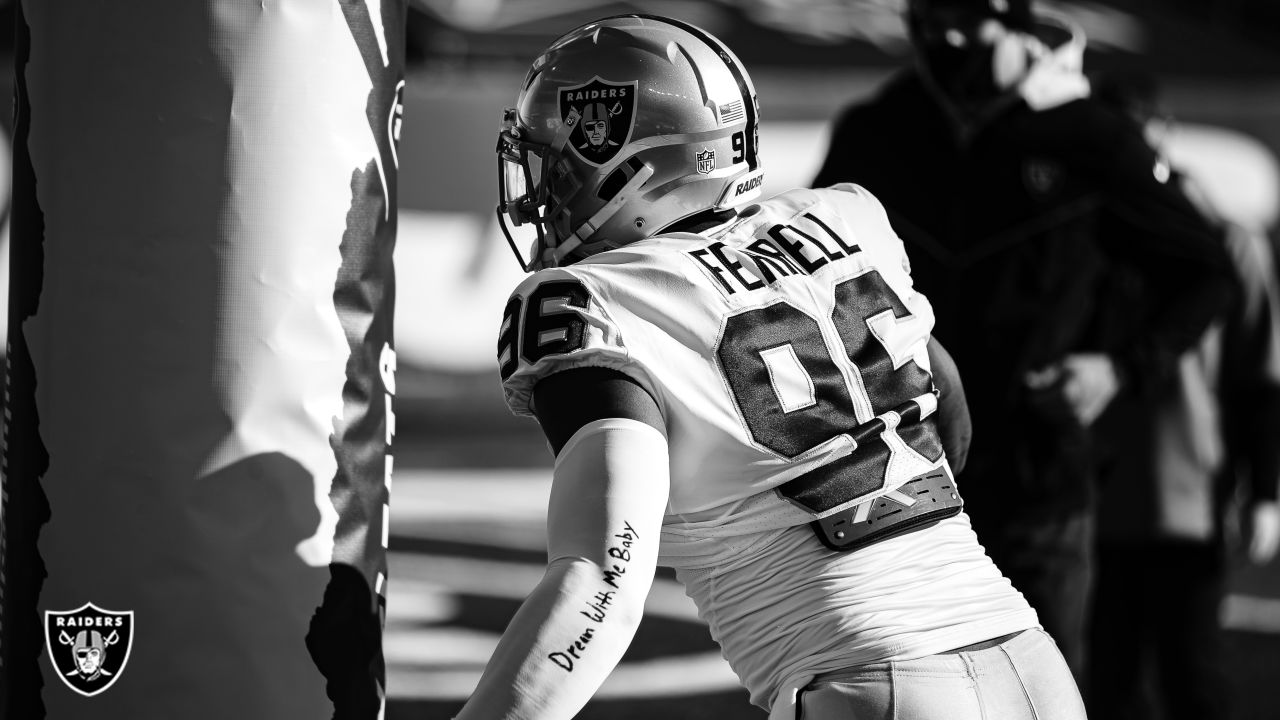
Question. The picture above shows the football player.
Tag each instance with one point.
(745, 391)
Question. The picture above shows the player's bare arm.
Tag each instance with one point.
(603, 521)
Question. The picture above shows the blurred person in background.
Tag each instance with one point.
(746, 392)
(993, 164)
(1173, 467)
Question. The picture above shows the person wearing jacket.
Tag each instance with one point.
(994, 165)
(1178, 470)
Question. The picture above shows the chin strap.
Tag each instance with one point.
(552, 256)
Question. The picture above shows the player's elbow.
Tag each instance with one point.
(615, 592)
(629, 597)
(628, 615)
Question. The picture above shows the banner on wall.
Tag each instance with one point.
(200, 371)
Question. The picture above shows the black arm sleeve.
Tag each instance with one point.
(568, 400)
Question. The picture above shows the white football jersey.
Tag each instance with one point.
(789, 343)
(787, 353)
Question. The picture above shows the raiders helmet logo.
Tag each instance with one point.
(601, 115)
(89, 646)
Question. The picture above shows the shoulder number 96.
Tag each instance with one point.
(550, 325)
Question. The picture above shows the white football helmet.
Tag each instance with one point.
(623, 127)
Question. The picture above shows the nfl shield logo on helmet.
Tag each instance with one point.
(88, 646)
(601, 115)
(706, 160)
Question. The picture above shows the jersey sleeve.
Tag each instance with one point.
(556, 320)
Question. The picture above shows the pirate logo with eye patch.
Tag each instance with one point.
(88, 646)
(601, 115)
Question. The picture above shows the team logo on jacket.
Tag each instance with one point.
(88, 646)
(601, 115)
(1042, 177)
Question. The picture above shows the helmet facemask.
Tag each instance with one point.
(536, 184)
(525, 195)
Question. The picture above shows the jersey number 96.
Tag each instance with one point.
(550, 325)
(793, 396)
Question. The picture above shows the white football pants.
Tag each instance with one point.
(1022, 678)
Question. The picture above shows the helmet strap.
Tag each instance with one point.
(562, 134)
(601, 216)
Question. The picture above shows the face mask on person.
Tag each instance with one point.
(970, 57)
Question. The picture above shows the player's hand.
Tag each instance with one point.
(1264, 531)
(1082, 385)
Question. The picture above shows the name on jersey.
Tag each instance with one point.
(785, 251)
